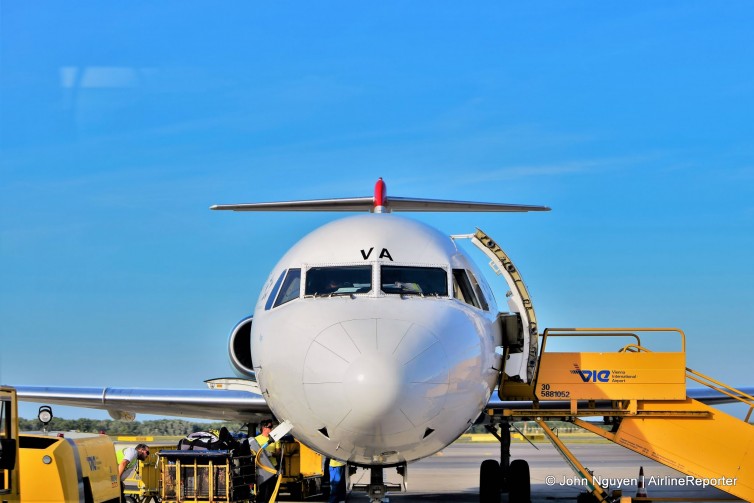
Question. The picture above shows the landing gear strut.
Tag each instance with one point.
(495, 476)
(377, 487)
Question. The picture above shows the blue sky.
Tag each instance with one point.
(122, 122)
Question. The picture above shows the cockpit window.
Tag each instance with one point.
(291, 287)
(274, 292)
(406, 280)
(341, 280)
(462, 289)
(478, 290)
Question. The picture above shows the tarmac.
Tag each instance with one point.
(453, 474)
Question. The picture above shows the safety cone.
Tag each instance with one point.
(641, 492)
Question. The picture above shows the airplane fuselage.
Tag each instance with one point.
(375, 337)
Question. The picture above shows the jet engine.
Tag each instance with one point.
(239, 348)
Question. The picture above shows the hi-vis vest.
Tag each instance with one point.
(268, 469)
(120, 456)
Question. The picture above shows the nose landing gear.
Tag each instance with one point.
(377, 488)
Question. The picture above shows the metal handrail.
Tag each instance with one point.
(634, 348)
(608, 332)
(721, 387)
(602, 332)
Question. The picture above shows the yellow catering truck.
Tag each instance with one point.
(49, 468)
(9, 485)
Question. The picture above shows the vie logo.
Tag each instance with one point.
(593, 375)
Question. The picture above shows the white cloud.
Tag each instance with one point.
(101, 76)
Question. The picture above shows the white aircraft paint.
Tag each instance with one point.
(376, 370)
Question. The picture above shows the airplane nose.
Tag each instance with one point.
(373, 381)
(376, 376)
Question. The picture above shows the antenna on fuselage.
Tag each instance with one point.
(380, 203)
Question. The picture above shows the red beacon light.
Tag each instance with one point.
(380, 197)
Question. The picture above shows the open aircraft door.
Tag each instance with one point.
(518, 327)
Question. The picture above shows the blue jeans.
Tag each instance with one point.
(337, 483)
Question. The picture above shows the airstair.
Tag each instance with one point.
(641, 394)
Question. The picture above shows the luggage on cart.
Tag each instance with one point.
(206, 476)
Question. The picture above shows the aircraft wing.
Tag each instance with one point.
(124, 403)
(712, 397)
(708, 396)
(237, 405)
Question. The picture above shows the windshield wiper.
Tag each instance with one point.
(331, 294)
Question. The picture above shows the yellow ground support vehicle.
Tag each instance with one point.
(143, 484)
(80, 467)
(9, 481)
(216, 476)
(206, 476)
(302, 471)
(55, 468)
(48, 467)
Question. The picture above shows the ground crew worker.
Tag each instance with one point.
(337, 481)
(265, 490)
(131, 458)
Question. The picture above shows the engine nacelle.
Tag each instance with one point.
(239, 348)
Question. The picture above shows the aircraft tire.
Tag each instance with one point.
(489, 481)
(519, 482)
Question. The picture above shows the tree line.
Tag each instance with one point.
(158, 427)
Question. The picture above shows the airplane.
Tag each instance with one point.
(376, 338)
